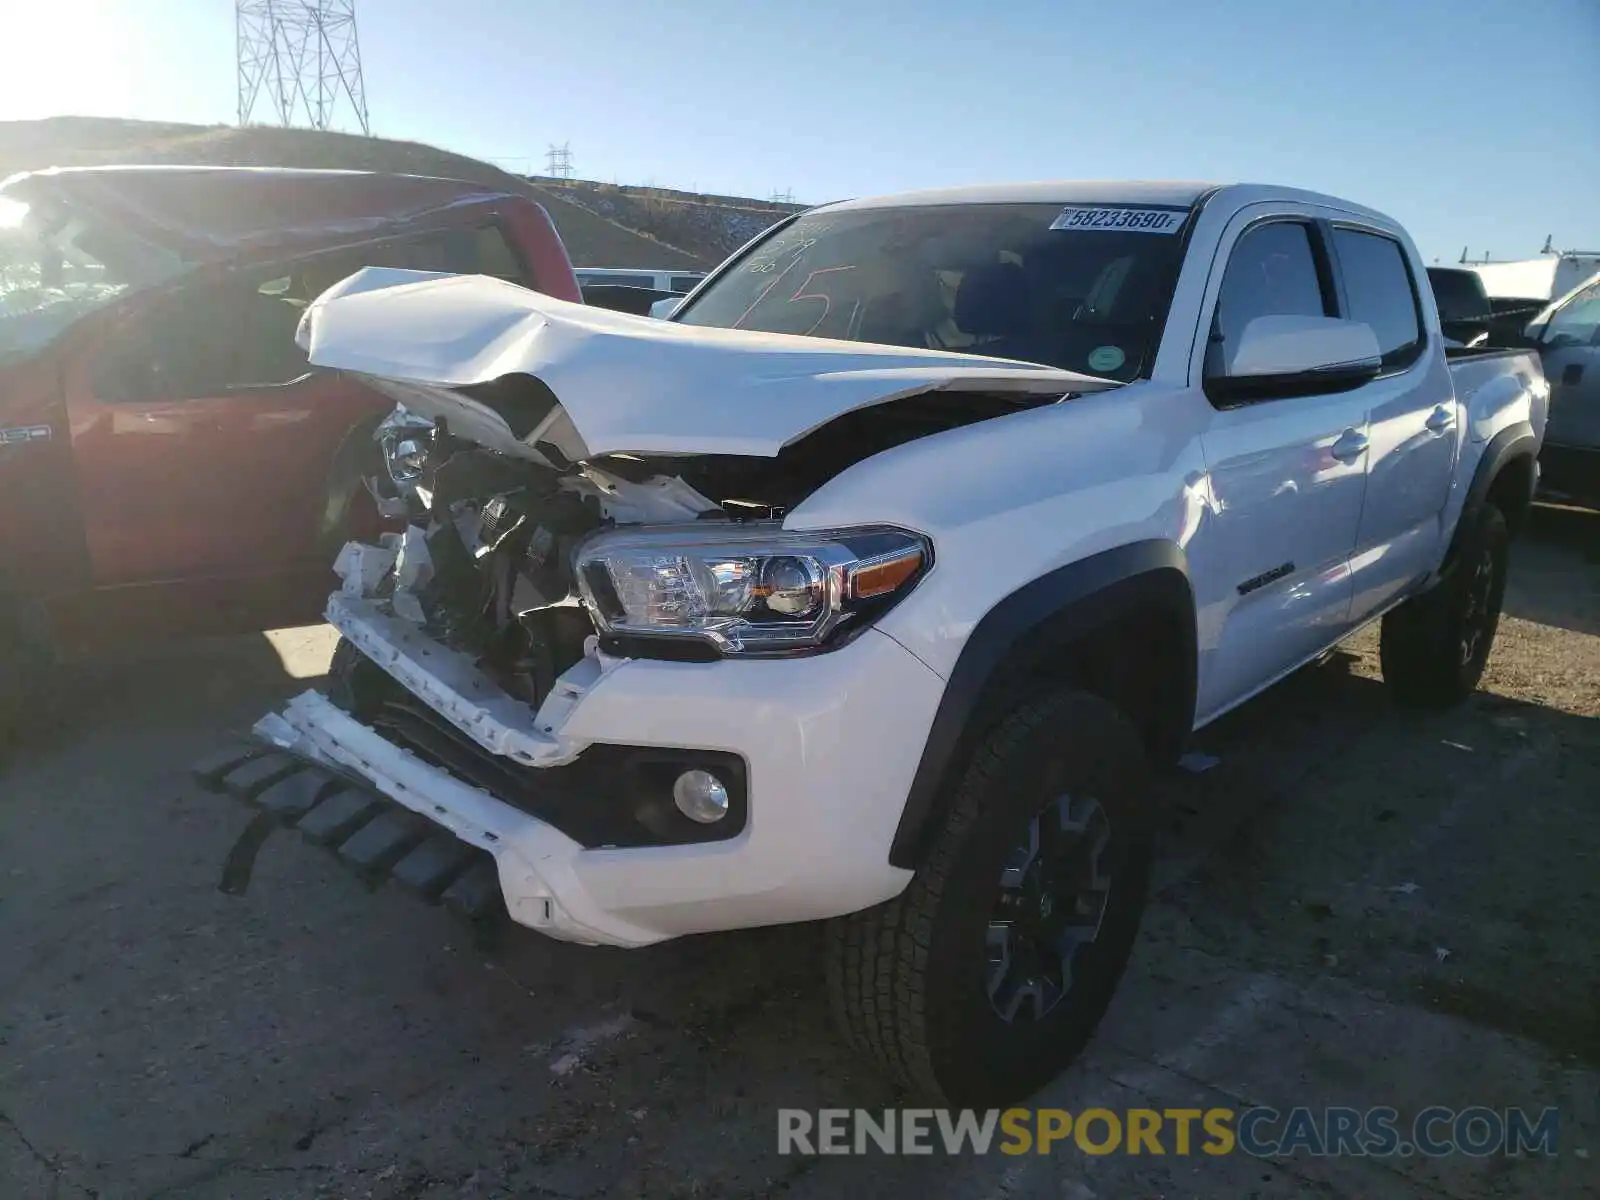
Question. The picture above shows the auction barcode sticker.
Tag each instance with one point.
(1131, 220)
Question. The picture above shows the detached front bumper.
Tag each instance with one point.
(830, 744)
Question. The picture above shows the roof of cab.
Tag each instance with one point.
(1159, 193)
(223, 212)
(1078, 191)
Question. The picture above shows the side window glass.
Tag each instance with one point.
(266, 354)
(1574, 323)
(1381, 292)
(1271, 272)
(208, 340)
(219, 337)
(493, 255)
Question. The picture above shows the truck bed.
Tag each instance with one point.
(1492, 382)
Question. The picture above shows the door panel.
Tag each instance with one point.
(1570, 348)
(228, 484)
(41, 545)
(1574, 375)
(1416, 430)
(204, 440)
(1276, 587)
(1414, 422)
(1287, 479)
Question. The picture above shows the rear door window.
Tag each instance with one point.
(1380, 291)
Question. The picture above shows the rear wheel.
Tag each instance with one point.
(988, 974)
(1434, 647)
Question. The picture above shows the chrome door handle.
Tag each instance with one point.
(1352, 444)
(1440, 419)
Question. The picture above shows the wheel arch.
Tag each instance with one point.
(356, 456)
(1505, 475)
(1120, 622)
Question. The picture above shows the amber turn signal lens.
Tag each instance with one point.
(882, 577)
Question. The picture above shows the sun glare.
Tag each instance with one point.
(11, 213)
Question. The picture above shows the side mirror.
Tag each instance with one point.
(1280, 356)
(665, 307)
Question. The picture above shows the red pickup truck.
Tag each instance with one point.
(165, 448)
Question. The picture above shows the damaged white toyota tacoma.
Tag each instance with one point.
(868, 586)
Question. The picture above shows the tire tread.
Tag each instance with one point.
(876, 960)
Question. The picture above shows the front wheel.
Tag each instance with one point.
(988, 974)
(1434, 647)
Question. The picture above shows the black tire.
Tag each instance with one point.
(912, 981)
(1435, 646)
(355, 683)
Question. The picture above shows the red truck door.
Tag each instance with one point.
(203, 439)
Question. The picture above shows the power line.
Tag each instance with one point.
(304, 54)
(558, 161)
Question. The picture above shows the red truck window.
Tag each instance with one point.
(215, 336)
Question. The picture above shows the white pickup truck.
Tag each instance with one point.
(868, 587)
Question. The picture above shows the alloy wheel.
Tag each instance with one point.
(1052, 899)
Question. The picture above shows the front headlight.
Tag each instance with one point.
(749, 589)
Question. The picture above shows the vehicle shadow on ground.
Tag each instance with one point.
(215, 687)
(1341, 835)
(1555, 575)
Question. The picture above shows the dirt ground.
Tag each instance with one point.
(1355, 906)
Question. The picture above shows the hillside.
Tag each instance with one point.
(711, 227)
(594, 238)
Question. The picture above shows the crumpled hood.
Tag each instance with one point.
(619, 383)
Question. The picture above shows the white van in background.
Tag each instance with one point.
(1545, 278)
(661, 281)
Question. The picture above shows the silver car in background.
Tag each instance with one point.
(1567, 336)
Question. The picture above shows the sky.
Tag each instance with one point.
(1476, 123)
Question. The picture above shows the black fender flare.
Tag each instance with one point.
(1022, 632)
(1511, 443)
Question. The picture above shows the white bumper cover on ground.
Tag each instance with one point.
(831, 744)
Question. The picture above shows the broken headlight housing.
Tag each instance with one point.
(747, 590)
(407, 440)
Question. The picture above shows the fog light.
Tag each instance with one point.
(700, 796)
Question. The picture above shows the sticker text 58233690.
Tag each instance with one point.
(1121, 220)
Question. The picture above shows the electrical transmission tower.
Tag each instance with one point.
(784, 197)
(304, 55)
(558, 161)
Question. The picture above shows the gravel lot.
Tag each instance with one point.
(1356, 906)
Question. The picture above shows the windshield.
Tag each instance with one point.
(49, 277)
(1082, 288)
